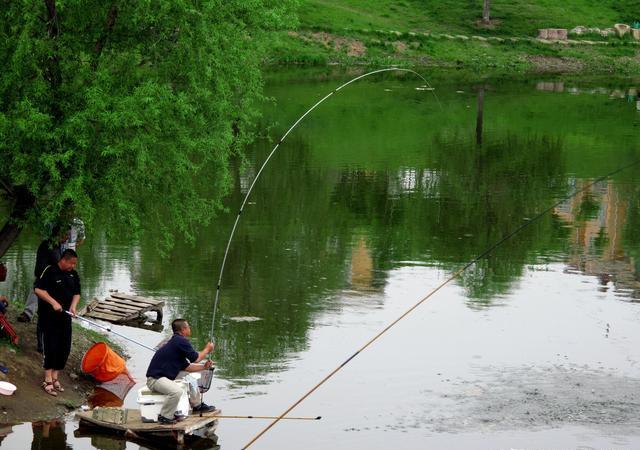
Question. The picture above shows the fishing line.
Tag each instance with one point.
(430, 294)
(109, 330)
(266, 161)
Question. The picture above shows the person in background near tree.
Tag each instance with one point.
(175, 356)
(76, 235)
(58, 290)
(48, 254)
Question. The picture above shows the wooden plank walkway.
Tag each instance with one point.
(128, 422)
(121, 308)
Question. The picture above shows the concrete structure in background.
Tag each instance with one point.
(554, 34)
(619, 29)
(622, 29)
(580, 30)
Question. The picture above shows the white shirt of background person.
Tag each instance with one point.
(76, 235)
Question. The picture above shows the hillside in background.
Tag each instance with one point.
(512, 17)
(450, 34)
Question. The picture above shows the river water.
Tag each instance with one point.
(378, 198)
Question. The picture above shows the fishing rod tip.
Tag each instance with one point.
(319, 417)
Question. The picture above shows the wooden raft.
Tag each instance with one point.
(128, 422)
(121, 308)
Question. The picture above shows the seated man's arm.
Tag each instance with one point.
(202, 354)
(195, 367)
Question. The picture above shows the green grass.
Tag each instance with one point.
(410, 32)
(505, 57)
(516, 17)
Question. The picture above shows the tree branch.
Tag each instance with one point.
(52, 65)
(52, 18)
(24, 201)
(6, 187)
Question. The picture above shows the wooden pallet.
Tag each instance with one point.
(122, 308)
(128, 422)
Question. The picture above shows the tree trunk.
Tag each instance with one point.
(23, 202)
(8, 234)
(108, 28)
(485, 12)
(51, 67)
(52, 19)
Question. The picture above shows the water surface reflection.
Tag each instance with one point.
(372, 203)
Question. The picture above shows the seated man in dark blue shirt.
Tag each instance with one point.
(175, 356)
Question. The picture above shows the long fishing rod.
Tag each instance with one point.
(266, 161)
(430, 294)
(109, 330)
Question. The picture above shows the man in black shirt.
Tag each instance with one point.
(174, 357)
(58, 290)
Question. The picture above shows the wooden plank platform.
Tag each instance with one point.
(121, 308)
(129, 423)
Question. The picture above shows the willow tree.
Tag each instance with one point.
(129, 108)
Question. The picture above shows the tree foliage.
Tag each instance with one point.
(126, 111)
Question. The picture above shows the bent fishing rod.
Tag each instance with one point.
(434, 291)
(266, 161)
(109, 330)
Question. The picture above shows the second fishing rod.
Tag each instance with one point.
(455, 275)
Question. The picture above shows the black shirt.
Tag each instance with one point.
(171, 358)
(48, 254)
(60, 285)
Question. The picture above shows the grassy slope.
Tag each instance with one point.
(370, 22)
(517, 17)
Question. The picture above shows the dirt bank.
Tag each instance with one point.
(30, 402)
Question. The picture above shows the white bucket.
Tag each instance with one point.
(150, 403)
(7, 388)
